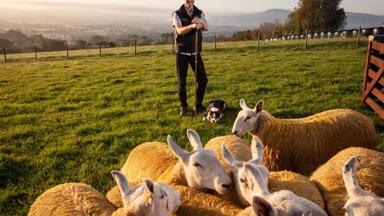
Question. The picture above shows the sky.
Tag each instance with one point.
(212, 6)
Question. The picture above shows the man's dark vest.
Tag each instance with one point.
(186, 43)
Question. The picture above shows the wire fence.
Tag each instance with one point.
(102, 50)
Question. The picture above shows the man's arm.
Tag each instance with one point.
(180, 29)
(202, 21)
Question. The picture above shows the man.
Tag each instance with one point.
(187, 20)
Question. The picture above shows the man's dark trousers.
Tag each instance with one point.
(182, 62)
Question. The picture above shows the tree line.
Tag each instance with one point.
(17, 42)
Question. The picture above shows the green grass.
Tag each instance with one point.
(75, 120)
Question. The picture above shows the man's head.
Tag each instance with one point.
(189, 3)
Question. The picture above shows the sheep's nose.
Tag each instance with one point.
(226, 186)
(235, 133)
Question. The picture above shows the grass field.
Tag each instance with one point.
(76, 120)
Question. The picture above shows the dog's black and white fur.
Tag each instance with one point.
(215, 111)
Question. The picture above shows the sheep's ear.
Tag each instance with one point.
(122, 183)
(350, 164)
(194, 139)
(227, 156)
(259, 106)
(149, 185)
(257, 150)
(179, 152)
(243, 105)
(262, 207)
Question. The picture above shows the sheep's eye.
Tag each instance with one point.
(197, 165)
(163, 194)
(247, 118)
(242, 181)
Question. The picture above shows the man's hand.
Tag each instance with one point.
(200, 24)
(197, 25)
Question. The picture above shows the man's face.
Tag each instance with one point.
(189, 3)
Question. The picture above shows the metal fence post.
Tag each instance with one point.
(306, 39)
(258, 41)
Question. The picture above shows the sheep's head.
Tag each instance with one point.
(201, 167)
(246, 120)
(237, 166)
(252, 182)
(149, 198)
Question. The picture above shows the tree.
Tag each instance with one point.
(80, 44)
(95, 40)
(14, 36)
(5, 43)
(316, 15)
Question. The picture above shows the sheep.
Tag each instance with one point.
(329, 178)
(81, 199)
(360, 202)
(301, 145)
(276, 181)
(283, 202)
(199, 169)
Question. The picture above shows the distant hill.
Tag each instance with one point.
(354, 20)
(84, 26)
(365, 20)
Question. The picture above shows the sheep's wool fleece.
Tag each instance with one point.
(239, 148)
(71, 199)
(302, 145)
(298, 184)
(370, 170)
(152, 160)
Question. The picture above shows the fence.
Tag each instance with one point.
(357, 33)
(373, 86)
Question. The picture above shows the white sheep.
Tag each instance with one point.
(360, 202)
(80, 199)
(301, 145)
(253, 186)
(235, 165)
(276, 181)
(199, 169)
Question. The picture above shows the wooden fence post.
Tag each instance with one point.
(258, 41)
(100, 49)
(306, 39)
(358, 36)
(67, 50)
(5, 55)
(215, 43)
(35, 53)
(135, 47)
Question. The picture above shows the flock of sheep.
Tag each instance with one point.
(320, 165)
